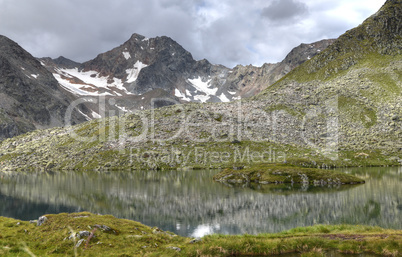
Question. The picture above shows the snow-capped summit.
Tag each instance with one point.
(140, 66)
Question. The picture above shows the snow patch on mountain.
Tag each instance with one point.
(178, 94)
(124, 109)
(132, 74)
(83, 114)
(77, 89)
(96, 115)
(202, 98)
(91, 84)
(203, 87)
(224, 98)
(127, 55)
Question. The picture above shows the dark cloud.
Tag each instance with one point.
(228, 32)
(284, 10)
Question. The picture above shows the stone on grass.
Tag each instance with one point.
(41, 220)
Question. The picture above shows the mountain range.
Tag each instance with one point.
(341, 107)
(142, 73)
(144, 68)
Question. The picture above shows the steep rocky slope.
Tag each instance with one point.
(30, 97)
(341, 108)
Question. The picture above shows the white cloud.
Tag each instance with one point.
(226, 32)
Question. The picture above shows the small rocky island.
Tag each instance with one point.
(283, 173)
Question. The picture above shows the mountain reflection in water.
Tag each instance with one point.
(192, 204)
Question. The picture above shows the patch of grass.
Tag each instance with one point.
(286, 108)
(357, 111)
(386, 83)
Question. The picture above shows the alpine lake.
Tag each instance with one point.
(190, 203)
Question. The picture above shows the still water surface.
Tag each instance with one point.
(192, 204)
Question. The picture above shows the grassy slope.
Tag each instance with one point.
(129, 238)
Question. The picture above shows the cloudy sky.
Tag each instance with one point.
(225, 32)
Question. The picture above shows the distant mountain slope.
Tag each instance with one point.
(30, 97)
(251, 80)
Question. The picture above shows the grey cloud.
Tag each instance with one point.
(231, 41)
(233, 34)
(282, 10)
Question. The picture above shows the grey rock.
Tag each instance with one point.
(41, 220)
(174, 248)
(195, 240)
(83, 234)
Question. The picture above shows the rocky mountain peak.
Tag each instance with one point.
(384, 28)
(135, 37)
(13, 53)
(304, 52)
(64, 62)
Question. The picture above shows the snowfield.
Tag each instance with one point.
(91, 83)
(178, 94)
(203, 87)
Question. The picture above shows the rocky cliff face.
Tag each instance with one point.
(30, 97)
